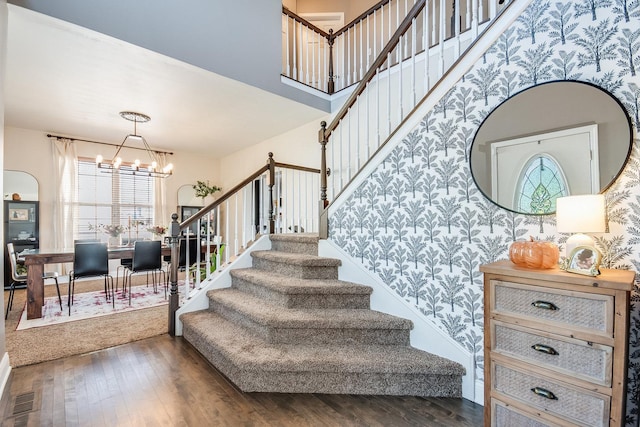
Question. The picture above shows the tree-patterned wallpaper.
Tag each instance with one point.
(420, 223)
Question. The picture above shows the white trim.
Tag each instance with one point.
(219, 280)
(5, 371)
(425, 335)
(479, 396)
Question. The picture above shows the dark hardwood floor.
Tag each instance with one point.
(163, 381)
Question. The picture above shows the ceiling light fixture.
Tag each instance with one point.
(135, 168)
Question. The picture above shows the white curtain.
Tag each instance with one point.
(65, 165)
(161, 215)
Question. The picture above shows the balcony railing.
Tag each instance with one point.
(333, 59)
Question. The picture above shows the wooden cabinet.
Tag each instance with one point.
(555, 346)
(22, 228)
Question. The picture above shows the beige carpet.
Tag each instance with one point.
(36, 345)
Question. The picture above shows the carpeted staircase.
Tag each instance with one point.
(289, 325)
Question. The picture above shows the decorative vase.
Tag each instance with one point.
(115, 241)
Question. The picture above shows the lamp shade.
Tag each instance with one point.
(581, 214)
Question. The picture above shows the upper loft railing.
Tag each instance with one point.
(333, 59)
(277, 198)
(397, 81)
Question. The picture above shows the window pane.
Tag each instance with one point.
(113, 199)
(541, 183)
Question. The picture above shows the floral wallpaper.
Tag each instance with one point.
(420, 223)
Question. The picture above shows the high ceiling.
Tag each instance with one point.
(67, 80)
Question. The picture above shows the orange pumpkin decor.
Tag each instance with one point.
(534, 253)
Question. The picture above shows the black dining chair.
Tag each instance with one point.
(194, 246)
(147, 257)
(91, 259)
(22, 278)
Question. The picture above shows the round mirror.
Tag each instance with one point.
(552, 140)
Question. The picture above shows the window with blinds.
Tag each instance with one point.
(113, 199)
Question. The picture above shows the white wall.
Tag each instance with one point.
(30, 151)
(298, 147)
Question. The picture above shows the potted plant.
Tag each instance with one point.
(203, 189)
(113, 231)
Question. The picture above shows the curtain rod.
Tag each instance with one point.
(58, 137)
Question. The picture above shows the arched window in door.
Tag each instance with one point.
(541, 182)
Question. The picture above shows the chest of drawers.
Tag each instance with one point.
(555, 346)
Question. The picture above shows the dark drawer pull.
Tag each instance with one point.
(545, 349)
(544, 393)
(545, 305)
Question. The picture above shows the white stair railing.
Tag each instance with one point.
(277, 198)
(405, 71)
(332, 60)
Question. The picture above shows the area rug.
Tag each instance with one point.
(93, 304)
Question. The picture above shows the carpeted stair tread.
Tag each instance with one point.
(263, 313)
(303, 260)
(250, 353)
(309, 238)
(291, 285)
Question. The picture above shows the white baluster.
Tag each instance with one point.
(474, 19)
(361, 49)
(295, 52)
(236, 244)
(456, 26)
(433, 23)
(427, 49)
(414, 42)
(287, 42)
(369, 39)
(442, 39)
(306, 54)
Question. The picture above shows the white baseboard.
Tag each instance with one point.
(479, 395)
(5, 371)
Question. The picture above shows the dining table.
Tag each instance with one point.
(35, 260)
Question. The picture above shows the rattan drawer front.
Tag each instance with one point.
(568, 402)
(569, 309)
(506, 416)
(573, 357)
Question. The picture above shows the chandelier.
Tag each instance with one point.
(135, 168)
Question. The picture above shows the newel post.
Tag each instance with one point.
(330, 84)
(271, 180)
(174, 233)
(324, 220)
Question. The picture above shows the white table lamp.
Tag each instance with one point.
(580, 214)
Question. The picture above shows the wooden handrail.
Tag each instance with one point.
(297, 168)
(306, 23)
(373, 9)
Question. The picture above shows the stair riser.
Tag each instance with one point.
(297, 271)
(312, 335)
(294, 247)
(327, 382)
(352, 383)
(299, 301)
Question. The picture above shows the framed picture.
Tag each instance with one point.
(18, 214)
(584, 260)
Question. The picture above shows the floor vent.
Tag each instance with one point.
(24, 403)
